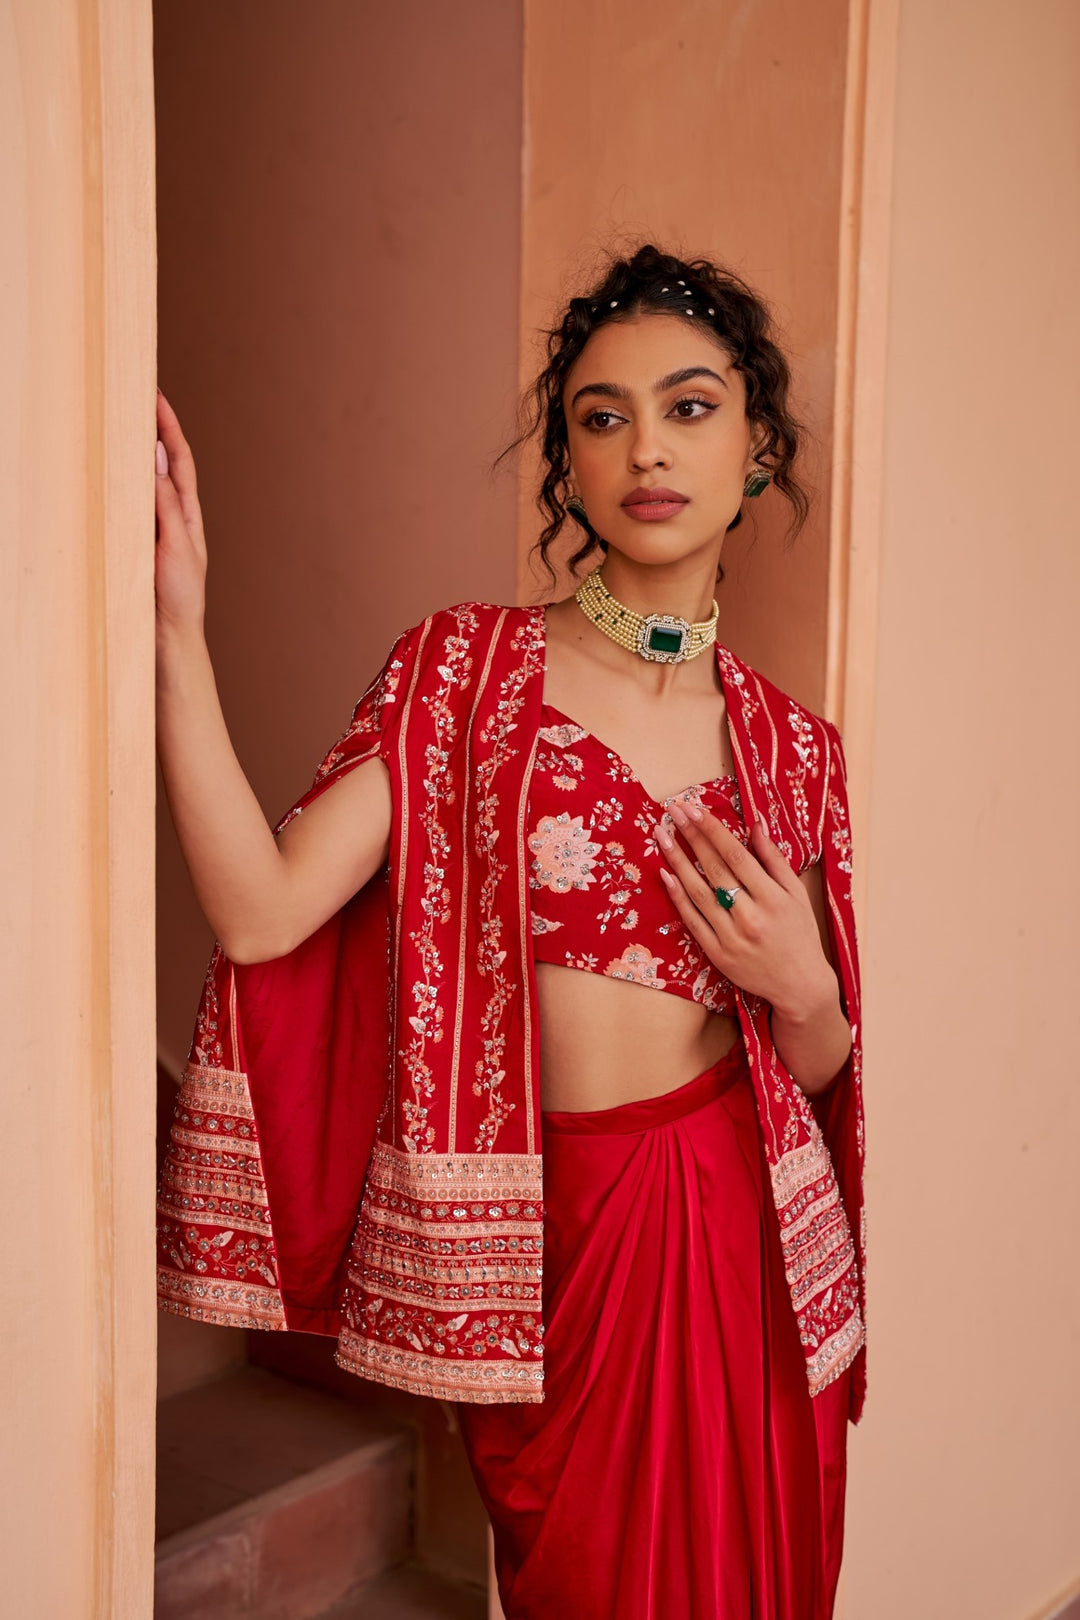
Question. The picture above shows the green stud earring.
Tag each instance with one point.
(757, 480)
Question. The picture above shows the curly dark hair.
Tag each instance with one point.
(651, 281)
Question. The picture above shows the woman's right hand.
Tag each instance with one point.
(180, 551)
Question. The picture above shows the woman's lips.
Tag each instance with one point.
(650, 505)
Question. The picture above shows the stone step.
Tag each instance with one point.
(411, 1593)
(275, 1501)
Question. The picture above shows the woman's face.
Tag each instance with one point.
(654, 402)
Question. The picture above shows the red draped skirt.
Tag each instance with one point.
(677, 1465)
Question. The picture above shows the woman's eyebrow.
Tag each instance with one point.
(673, 378)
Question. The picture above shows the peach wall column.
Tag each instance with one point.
(77, 988)
(965, 1471)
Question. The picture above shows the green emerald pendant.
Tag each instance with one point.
(664, 641)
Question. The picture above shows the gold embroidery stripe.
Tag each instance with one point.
(422, 1262)
(456, 1297)
(237, 1166)
(225, 1303)
(828, 1233)
(466, 862)
(836, 1355)
(457, 1380)
(815, 1212)
(240, 1138)
(215, 1183)
(225, 1192)
(429, 1263)
(241, 1166)
(818, 1249)
(214, 1091)
(443, 1229)
(817, 1262)
(799, 1168)
(804, 1292)
(234, 1223)
(378, 1263)
(202, 1141)
(528, 952)
(459, 1177)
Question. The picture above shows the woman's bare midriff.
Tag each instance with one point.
(604, 1042)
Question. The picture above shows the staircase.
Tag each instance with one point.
(280, 1502)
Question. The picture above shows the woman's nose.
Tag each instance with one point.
(647, 449)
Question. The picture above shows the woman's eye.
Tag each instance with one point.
(706, 405)
(592, 420)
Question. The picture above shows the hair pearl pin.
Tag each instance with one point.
(614, 301)
(712, 312)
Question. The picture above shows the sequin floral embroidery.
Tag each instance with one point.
(564, 853)
(638, 966)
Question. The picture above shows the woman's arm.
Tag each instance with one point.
(260, 894)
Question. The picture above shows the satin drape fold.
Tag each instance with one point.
(677, 1464)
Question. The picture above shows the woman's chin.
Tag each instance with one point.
(663, 541)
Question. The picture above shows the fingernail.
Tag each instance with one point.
(677, 814)
(664, 839)
(763, 824)
(694, 812)
(161, 459)
(669, 881)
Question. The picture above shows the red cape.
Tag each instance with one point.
(356, 1147)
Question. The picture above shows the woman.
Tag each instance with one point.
(430, 985)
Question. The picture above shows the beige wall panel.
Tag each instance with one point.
(966, 1469)
(717, 129)
(76, 511)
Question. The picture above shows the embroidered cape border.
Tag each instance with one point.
(356, 1146)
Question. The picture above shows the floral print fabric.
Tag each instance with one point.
(597, 898)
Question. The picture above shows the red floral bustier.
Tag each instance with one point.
(597, 898)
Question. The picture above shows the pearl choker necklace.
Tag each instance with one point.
(662, 638)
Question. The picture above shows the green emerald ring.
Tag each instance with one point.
(726, 897)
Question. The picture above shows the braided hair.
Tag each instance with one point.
(653, 282)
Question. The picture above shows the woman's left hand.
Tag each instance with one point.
(769, 942)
